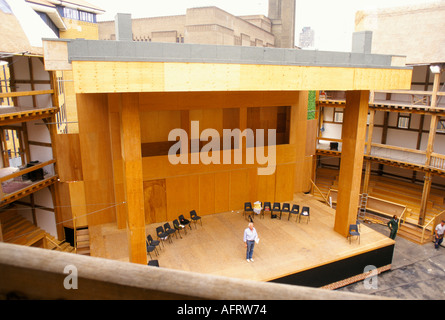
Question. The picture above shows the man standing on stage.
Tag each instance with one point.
(250, 237)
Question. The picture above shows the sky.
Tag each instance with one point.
(332, 20)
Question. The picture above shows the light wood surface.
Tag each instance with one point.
(353, 147)
(217, 246)
(120, 76)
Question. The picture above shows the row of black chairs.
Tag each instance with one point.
(166, 232)
(277, 208)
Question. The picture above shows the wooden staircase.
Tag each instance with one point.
(82, 242)
(18, 230)
(325, 179)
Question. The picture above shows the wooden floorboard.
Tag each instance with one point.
(217, 248)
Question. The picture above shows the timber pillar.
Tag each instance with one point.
(132, 165)
(353, 137)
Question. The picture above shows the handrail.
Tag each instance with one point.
(416, 92)
(386, 146)
(27, 170)
(24, 93)
(322, 195)
(424, 227)
(52, 241)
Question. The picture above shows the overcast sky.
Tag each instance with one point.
(332, 20)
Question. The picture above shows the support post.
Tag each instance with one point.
(297, 136)
(429, 151)
(353, 136)
(134, 191)
(368, 152)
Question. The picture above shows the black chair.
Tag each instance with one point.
(150, 249)
(353, 232)
(184, 221)
(267, 208)
(275, 209)
(152, 242)
(248, 210)
(170, 230)
(153, 263)
(162, 235)
(295, 210)
(179, 227)
(195, 217)
(305, 212)
(285, 208)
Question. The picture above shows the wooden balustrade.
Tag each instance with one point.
(437, 161)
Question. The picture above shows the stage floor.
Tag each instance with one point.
(285, 248)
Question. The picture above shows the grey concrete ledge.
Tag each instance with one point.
(106, 50)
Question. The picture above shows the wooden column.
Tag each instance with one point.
(368, 152)
(132, 163)
(429, 151)
(114, 109)
(297, 136)
(353, 136)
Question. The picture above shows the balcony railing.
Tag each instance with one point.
(20, 183)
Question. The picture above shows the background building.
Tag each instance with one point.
(212, 25)
(307, 38)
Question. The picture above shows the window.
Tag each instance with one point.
(338, 115)
(441, 125)
(403, 120)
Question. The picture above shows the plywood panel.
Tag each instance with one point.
(215, 100)
(156, 125)
(266, 188)
(160, 167)
(108, 76)
(131, 76)
(182, 196)
(69, 162)
(207, 194)
(208, 119)
(155, 201)
(222, 191)
(94, 138)
(239, 189)
(284, 183)
(78, 203)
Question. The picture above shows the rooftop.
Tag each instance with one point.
(103, 50)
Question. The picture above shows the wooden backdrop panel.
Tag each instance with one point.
(69, 161)
(239, 189)
(206, 194)
(222, 191)
(182, 196)
(284, 186)
(155, 201)
(95, 151)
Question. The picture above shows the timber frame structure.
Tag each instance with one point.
(122, 81)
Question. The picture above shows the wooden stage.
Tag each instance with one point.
(310, 254)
